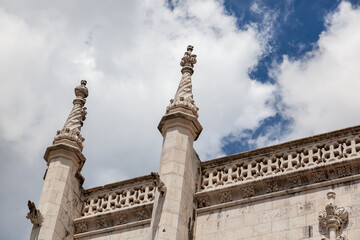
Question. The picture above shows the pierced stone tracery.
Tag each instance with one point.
(244, 169)
(119, 199)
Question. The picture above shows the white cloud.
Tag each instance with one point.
(320, 90)
(130, 55)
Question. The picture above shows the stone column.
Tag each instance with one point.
(60, 200)
(174, 213)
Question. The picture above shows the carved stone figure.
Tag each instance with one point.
(158, 183)
(34, 214)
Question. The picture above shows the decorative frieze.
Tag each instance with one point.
(115, 219)
(248, 191)
(203, 201)
(141, 214)
(225, 196)
(122, 219)
(343, 171)
(295, 181)
(81, 227)
(102, 223)
(271, 186)
(319, 176)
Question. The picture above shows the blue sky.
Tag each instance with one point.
(267, 72)
(299, 25)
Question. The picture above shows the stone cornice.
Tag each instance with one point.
(116, 185)
(169, 120)
(55, 150)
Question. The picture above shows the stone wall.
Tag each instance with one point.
(133, 233)
(293, 216)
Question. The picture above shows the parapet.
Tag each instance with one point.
(290, 167)
(116, 206)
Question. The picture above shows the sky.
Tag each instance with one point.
(267, 72)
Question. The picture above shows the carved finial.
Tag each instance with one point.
(188, 60)
(184, 97)
(34, 214)
(72, 127)
(333, 218)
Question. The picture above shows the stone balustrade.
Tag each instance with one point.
(263, 163)
(117, 205)
(318, 159)
(105, 200)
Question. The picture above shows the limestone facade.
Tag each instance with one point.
(303, 189)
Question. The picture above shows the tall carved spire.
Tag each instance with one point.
(71, 130)
(184, 97)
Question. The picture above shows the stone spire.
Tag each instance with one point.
(184, 97)
(71, 131)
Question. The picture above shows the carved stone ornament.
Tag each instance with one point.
(102, 223)
(248, 191)
(319, 176)
(271, 186)
(34, 214)
(342, 237)
(343, 171)
(225, 197)
(184, 97)
(158, 183)
(123, 219)
(141, 215)
(333, 218)
(72, 127)
(81, 227)
(204, 202)
(295, 181)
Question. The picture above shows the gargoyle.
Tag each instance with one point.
(34, 214)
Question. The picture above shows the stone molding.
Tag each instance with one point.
(63, 150)
(182, 119)
(111, 221)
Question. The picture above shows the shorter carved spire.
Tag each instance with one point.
(184, 97)
(72, 127)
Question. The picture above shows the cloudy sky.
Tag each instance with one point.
(267, 72)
